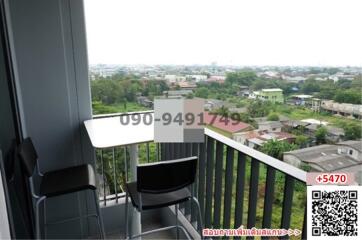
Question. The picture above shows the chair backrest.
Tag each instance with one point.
(166, 176)
(28, 156)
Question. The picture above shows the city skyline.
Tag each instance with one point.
(248, 33)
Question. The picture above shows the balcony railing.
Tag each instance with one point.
(236, 185)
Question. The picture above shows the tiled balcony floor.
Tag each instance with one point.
(148, 224)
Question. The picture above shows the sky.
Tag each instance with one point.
(226, 32)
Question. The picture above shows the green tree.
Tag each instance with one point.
(259, 108)
(310, 86)
(353, 96)
(276, 148)
(301, 141)
(223, 111)
(202, 92)
(352, 131)
(320, 135)
(241, 78)
(273, 117)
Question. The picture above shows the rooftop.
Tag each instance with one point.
(272, 90)
(356, 144)
(225, 124)
(330, 157)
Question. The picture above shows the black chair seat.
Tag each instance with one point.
(150, 201)
(68, 180)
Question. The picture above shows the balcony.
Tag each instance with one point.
(236, 185)
(47, 95)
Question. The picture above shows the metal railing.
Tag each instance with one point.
(231, 190)
(112, 164)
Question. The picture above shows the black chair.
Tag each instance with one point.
(56, 183)
(163, 184)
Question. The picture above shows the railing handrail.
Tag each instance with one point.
(262, 157)
(120, 114)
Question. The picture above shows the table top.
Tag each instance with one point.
(109, 132)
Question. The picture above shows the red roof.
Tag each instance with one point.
(223, 123)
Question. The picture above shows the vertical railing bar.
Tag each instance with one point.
(269, 198)
(202, 173)
(240, 187)
(218, 183)
(287, 203)
(183, 150)
(187, 204)
(304, 230)
(194, 150)
(209, 180)
(156, 152)
(253, 194)
(177, 150)
(228, 186)
(115, 175)
(172, 147)
(125, 164)
(167, 151)
(148, 152)
(104, 180)
(163, 152)
(183, 205)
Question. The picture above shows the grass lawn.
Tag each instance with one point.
(99, 108)
(299, 113)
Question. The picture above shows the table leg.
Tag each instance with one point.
(136, 218)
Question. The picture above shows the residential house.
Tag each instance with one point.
(256, 138)
(274, 95)
(144, 101)
(270, 126)
(300, 100)
(187, 85)
(226, 125)
(344, 109)
(342, 157)
(177, 93)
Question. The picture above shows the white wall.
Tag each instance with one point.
(50, 51)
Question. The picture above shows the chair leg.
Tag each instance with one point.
(176, 215)
(45, 219)
(126, 214)
(37, 222)
(37, 217)
(199, 216)
(99, 216)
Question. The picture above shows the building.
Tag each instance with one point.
(334, 134)
(217, 79)
(256, 138)
(174, 78)
(243, 91)
(177, 93)
(344, 109)
(144, 101)
(196, 78)
(342, 157)
(226, 125)
(212, 104)
(300, 100)
(274, 95)
(187, 85)
(270, 126)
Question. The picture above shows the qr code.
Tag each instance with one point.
(334, 212)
